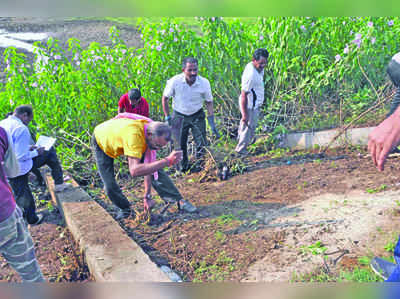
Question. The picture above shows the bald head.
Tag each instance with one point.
(158, 135)
(159, 129)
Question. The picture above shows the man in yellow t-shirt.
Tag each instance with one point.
(131, 138)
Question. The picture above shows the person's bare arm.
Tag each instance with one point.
(210, 108)
(165, 105)
(147, 185)
(141, 169)
(383, 138)
(148, 202)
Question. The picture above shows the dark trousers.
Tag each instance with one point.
(393, 71)
(23, 197)
(48, 158)
(105, 164)
(197, 124)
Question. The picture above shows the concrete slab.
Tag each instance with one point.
(110, 253)
(307, 140)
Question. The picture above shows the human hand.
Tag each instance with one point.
(211, 122)
(174, 157)
(216, 133)
(245, 119)
(382, 140)
(40, 150)
(148, 203)
(168, 119)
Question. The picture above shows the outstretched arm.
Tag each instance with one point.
(141, 169)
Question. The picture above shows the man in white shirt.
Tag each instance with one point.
(28, 156)
(393, 70)
(189, 91)
(251, 98)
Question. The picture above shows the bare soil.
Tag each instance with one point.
(59, 257)
(263, 224)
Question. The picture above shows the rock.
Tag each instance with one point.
(171, 274)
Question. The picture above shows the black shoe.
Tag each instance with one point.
(382, 267)
(39, 219)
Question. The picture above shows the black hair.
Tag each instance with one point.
(260, 53)
(187, 60)
(24, 109)
(134, 94)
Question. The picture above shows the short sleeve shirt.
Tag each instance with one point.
(188, 99)
(142, 108)
(396, 57)
(253, 84)
(122, 136)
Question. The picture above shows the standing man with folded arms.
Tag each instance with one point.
(189, 91)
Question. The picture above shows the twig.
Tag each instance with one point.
(344, 129)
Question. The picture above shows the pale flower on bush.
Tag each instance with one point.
(370, 24)
(373, 40)
(346, 49)
(34, 84)
(357, 42)
(261, 37)
(337, 58)
(390, 23)
(175, 39)
(57, 57)
(171, 30)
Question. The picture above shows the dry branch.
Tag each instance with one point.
(344, 128)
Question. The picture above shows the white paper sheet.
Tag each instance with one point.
(45, 141)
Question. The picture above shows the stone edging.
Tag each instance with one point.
(110, 253)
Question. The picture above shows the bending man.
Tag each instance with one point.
(132, 138)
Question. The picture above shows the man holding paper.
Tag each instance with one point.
(28, 156)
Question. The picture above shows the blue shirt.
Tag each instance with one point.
(21, 138)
